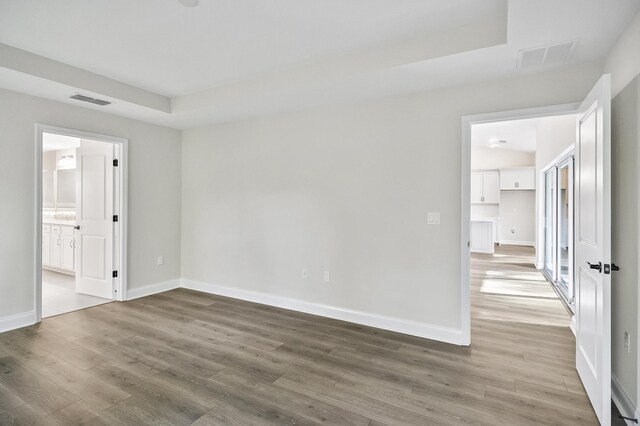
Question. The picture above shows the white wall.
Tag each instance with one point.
(347, 189)
(554, 135)
(499, 158)
(625, 151)
(623, 61)
(624, 65)
(517, 211)
(154, 193)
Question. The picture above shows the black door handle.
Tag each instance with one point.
(614, 267)
(76, 227)
(597, 266)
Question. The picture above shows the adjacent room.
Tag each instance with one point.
(77, 193)
(344, 212)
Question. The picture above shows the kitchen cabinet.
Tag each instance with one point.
(517, 179)
(67, 246)
(58, 247)
(482, 236)
(485, 187)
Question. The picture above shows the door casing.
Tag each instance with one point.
(465, 217)
(119, 202)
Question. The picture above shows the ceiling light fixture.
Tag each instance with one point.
(189, 3)
(496, 142)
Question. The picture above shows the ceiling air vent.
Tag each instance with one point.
(95, 101)
(552, 54)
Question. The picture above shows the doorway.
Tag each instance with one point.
(591, 127)
(81, 220)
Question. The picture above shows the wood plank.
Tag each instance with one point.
(42, 395)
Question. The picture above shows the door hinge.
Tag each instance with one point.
(115, 162)
(115, 274)
(115, 217)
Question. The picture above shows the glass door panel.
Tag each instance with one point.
(565, 227)
(549, 222)
(558, 227)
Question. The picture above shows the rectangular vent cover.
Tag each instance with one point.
(90, 100)
(553, 54)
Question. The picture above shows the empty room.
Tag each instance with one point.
(341, 212)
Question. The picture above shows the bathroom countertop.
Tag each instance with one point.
(46, 221)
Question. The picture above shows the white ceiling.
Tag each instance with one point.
(166, 48)
(226, 60)
(54, 142)
(519, 134)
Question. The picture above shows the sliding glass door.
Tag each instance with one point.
(549, 222)
(558, 227)
(565, 228)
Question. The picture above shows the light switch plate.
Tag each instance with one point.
(433, 218)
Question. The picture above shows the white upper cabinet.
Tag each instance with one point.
(485, 187)
(517, 179)
(476, 187)
(491, 187)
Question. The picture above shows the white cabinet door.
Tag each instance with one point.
(67, 248)
(481, 237)
(56, 246)
(517, 179)
(508, 179)
(491, 187)
(46, 245)
(527, 179)
(476, 187)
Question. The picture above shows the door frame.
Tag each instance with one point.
(465, 220)
(119, 201)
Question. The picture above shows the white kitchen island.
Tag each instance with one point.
(483, 232)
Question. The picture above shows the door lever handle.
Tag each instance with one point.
(595, 266)
(77, 227)
(614, 267)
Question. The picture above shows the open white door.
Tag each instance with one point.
(593, 247)
(94, 217)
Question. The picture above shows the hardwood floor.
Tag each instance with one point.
(184, 357)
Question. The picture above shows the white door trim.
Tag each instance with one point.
(120, 199)
(467, 122)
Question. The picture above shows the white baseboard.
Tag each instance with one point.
(148, 290)
(17, 321)
(414, 328)
(572, 327)
(517, 243)
(622, 400)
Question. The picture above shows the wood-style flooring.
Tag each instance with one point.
(184, 357)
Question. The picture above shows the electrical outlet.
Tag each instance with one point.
(627, 341)
(326, 276)
(512, 230)
(160, 260)
(304, 273)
